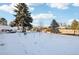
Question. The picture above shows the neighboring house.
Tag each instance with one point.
(3, 21)
(64, 30)
(46, 29)
(62, 27)
(4, 28)
(42, 29)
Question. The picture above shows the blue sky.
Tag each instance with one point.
(43, 13)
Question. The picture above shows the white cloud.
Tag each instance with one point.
(59, 5)
(31, 9)
(42, 16)
(9, 8)
(38, 18)
(75, 4)
(34, 4)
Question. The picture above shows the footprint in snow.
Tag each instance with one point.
(2, 44)
(35, 42)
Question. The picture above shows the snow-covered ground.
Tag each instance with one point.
(35, 43)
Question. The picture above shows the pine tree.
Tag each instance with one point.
(3, 21)
(23, 16)
(54, 26)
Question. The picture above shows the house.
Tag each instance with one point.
(46, 29)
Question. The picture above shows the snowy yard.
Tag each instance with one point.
(35, 43)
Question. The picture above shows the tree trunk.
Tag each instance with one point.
(74, 32)
(17, 27)
(24, 30)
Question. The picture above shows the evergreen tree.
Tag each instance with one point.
(3, 21)
(54, 26)
(23, 16)
(74, 25)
